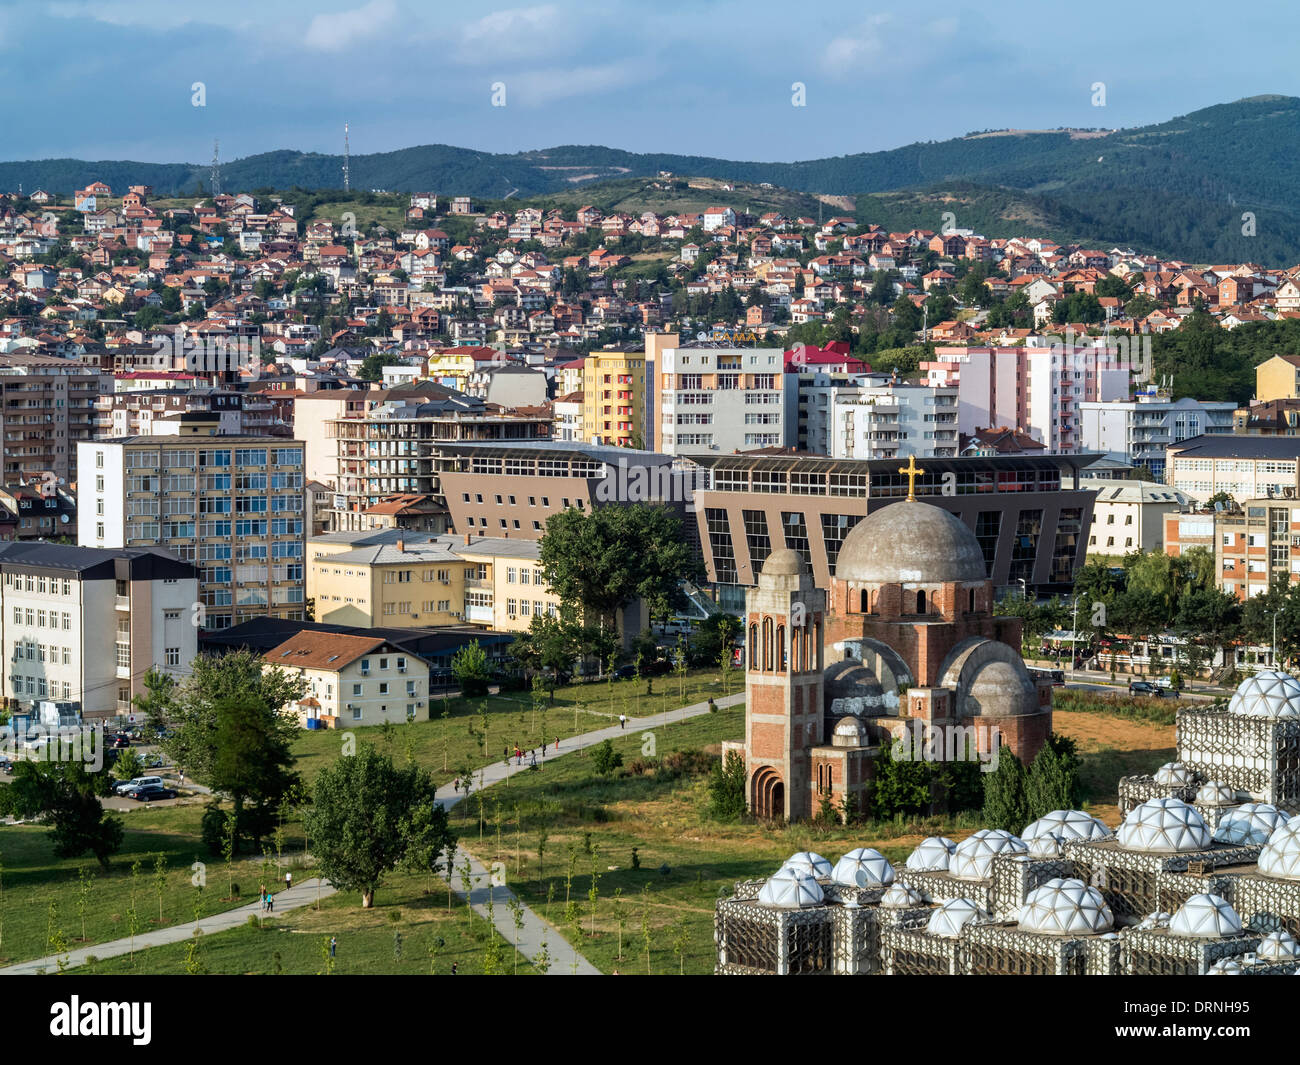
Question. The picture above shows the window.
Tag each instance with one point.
(173, 656)
(383, 687)
(357, 689)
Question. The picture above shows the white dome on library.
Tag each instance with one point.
(1163, 826)
(863, 868)
(1268, 693)
(1066, 906)
(1280, 857)
(932, 855)
(1252, 822)
(954, 915)
(1175, 775)
(1066, 824)
(899, 896)
(809, 862)
(790, 889)
(1205, 917)
(973, 858)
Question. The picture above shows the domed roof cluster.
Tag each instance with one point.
(1066, 824)
(899, 896)
(1278, 947)
(1250, 823)
(1064, 907)
(1212, 794)
(1205, 917)
(910, 542)
(1175, 775)
(973, 858)
(809, 862)
(791, 889)
(1269, 693)
(954, 915)
(863, 868)
(1164, 826)
(932, 855)
(1281, 854)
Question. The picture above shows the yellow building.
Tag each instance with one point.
(394, 578)
(613, 398)
(452, 367)
(1278, 378)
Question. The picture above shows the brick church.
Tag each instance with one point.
(906, 637)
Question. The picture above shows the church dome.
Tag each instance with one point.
(849, 732)
(790, 889)
(1252, 822)
(1164, 826)
(1280, 857)
(1064, 907)
(1001, 689)
(910, 542)
(863, 868)
(1205, 917)
(1269, 693)
(784, 563)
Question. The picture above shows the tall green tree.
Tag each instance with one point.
(1005, 803)
(69, 797)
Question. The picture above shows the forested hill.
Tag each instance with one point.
(1177, 188)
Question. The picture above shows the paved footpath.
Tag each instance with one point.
(301, 894)
(565, 960)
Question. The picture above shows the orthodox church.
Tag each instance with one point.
(905, 638)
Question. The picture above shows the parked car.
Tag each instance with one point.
(6, 766)
(625, 672)
(121, 740)
(152, 793)
(1145, 687)
(137, 782)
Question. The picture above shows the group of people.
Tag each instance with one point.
(268, 900)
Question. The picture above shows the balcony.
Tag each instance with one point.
(482, 614)
(122, 602)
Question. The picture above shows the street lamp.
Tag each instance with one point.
(1074, 633)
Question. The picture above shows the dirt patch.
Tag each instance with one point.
(1097, 732)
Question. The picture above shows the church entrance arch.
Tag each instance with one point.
(767, 794)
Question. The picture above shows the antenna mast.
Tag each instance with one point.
(346, 176)
(216, 168)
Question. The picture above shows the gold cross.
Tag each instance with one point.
(911, 471)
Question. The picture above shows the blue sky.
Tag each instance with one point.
(113, 78)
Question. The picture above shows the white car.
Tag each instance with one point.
(136, 782)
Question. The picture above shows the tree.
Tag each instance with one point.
(605, 758)
(1052, 782)
(727, 792)
(586, 562)
(128, 765)
(469, 666)
(714, 634)
(1005, 803)
(901, 785)
(364, 820)
(69, 796)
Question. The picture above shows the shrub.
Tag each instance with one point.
(605, 758)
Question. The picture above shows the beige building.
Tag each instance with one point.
(1278, 378)
(1130, 515)
(395, 578)
(353, 680)
(613, 398)
(48, 406)
(1252, 546)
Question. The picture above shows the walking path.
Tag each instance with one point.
(301, 894)
(565, 959)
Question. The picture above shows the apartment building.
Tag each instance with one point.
(1028, 512)
(1245, 467)
(47, 406)
(1253, 545)
(1130, 515)
(187, 411)
(411, 580)
(614, 398)
(395, 447)
(884, 421)
(234, 508)
(1037, 389)
(1278, 378)
(1138, 431)
(85, 625)
(352, 679)
(711, 400)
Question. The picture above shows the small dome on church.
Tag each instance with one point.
(849, 732)
(1001, 689)
(910, 542)
(784, 563)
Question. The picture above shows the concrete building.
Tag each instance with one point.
(235, 509)
(1278, 378)
(1253, 546)
(47, 406)
(1130, 515)
(711, 400)
(891, 421)
(353, 680)
(1245, 467)
(614, 398)
(1035, 388)
(1028, 513)
(1138, 431)
(85, 624)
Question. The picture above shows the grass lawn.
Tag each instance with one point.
(366, 940)
(33, 879)
(445, 747)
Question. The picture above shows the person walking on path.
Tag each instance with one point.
(453, 968)
(288, 881)
(270, 903)
(334, 944)
(262, 895)
(557, 743)
(622, 721)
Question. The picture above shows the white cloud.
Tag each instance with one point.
(514, 33)
(333, 33)
(848, 53)
(536, 88)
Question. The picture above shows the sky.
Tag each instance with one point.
(120, 79)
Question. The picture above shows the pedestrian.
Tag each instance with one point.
(505, 753)
(270, 902)
(622, 721)
(557, 743)
(182, 782)
(453, 968)
(261, 894)
(288, 881)
(455, 785)
(334, 945)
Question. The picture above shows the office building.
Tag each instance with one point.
(1138, 431)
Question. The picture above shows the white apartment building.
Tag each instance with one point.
(85, 625)
(711, 400)
(1130, 515)
(884, 421)
(1138, 431)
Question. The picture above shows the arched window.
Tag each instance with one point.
(767, 644)
(782, 662)
(920, 601)
(752, 650)
(866, 601)
(972, 601)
